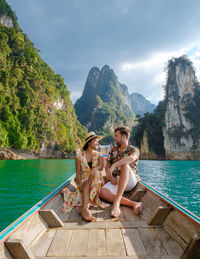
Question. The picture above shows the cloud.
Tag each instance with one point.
(134, 37)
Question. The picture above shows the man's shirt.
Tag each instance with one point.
(115, 155)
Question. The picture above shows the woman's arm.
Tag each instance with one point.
(100, 164)
(99, 167)
(78, 173)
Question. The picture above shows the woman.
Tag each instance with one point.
(89, 164)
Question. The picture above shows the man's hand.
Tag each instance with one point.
(112, 179)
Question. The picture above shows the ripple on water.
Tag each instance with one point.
(179, 180)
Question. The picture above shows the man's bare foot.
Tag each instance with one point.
(115, 212)
(138, 208)
(86, 214)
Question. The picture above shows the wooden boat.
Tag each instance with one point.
(163, 230)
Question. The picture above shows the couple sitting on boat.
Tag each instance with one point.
(121, 175)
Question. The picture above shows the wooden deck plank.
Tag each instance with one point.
(152, 201)
(63, 216)
(176, 237)
(159, 215)
(96, 242)
(129, 214)
(74, 216)
(103, 215)
(151, 243)
(115, 242)
(31, 230)
(114, 257)
(181, 227)
(79, 243)
(92, 240)
(170, 245)
(133, 242)
(137, 195)
(41, 247)
(60, 244)
(101, 242)
(146, 213)
(105, 225)
(122, 216)
(54, 204)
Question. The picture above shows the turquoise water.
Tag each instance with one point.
(25, 182)
(179, 180)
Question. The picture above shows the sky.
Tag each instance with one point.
(136, 38)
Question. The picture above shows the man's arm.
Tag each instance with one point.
(134, 156)
(109, 175)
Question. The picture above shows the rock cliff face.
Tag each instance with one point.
(145, 153)
(182, 86)
(172, 131)
(140, 105)
(104, 103)
(6, 21)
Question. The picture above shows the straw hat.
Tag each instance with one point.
(91, 135)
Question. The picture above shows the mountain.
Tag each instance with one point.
(140, 105)
(36, 112)
(104, 103)
(172, 131)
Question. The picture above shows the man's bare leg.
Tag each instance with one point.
(123, 181)
(107, 195)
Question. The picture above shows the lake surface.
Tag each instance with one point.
(23, 183)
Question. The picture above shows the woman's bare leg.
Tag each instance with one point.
(85, 194)
(86, 214)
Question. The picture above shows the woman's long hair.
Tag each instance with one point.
(85, 147)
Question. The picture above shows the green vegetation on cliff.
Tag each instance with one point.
(193, 115)
(152, 124)
(102, 105)
(35, 105)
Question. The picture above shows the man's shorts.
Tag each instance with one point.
(131, 184)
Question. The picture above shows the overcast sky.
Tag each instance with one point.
(134, 37)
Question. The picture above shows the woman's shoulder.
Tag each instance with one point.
(80, 154)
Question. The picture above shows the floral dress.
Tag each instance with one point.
(72, 199)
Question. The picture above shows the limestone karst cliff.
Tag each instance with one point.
(180, 140)
(104, 103)
(172, 131)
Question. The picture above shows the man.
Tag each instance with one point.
(121, 170)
